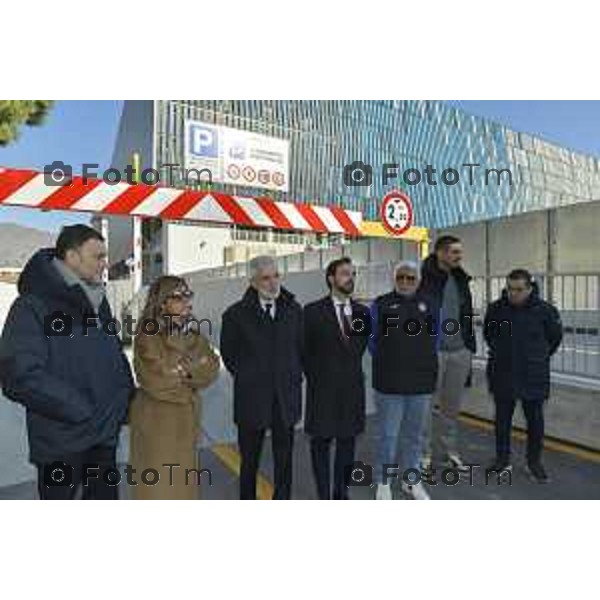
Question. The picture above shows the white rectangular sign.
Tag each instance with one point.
(237, 157)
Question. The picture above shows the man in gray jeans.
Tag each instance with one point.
(447, 285)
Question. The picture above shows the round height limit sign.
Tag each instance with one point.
(396, 213)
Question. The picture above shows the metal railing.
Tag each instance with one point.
(577, 298)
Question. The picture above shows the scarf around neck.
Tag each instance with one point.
(94, 290)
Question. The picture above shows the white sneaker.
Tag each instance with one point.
(455, 462)
(416, 492)
(426, 462)
(384, 492)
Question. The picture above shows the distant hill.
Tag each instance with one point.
(18, 243)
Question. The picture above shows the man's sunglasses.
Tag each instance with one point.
(409, 278)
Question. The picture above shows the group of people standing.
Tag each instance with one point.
(328, 341)
(421, 336)
(78, 389)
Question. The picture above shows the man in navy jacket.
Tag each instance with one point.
(405, 369)
(60, 359)
(522, 332)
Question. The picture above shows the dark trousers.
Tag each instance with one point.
(320, 452)
(250, 442)
(67, 482)
(534, 415)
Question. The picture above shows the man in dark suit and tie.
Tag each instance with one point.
(261, 346)
(335, 395)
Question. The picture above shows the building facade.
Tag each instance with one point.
(327, 135)
(457, 168)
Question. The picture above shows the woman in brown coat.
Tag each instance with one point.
(171, 366)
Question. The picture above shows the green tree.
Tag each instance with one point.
(14, 114)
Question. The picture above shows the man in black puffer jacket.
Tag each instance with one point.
(73, 378)
(522, 332)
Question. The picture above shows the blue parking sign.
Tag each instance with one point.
(203, 141)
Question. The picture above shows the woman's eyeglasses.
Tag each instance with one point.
(183, 295)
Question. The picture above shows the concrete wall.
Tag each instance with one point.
(190, 247)
(566, 236)
(577, 231)
(518, 242)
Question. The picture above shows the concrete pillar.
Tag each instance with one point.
(486, 259)
(551, 249)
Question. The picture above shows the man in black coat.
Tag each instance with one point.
(446, 284)
(335, 393)
(60, 358)
(261, 346)
(522, 332)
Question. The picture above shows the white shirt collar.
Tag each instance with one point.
(271, 302)
(264, 301)
(337, 301)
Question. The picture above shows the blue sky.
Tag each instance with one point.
(75, 132)
(85, 131)
(571, 123)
